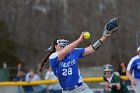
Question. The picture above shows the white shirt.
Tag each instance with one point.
(50, 76)
(37, 88)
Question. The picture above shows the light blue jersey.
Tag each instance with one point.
(67, 70)
(134, 66)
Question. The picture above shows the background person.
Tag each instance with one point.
(133, 71)
(32, 76)
(113, 81)
(122, 71)
(21, 76)
(53, 88)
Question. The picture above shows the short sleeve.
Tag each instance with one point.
(53, 59)
(79, 52)
(116, 79)
(131, 64)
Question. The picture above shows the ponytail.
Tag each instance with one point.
(45, 59)
(52, 50)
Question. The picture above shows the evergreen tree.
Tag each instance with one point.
(7, 48)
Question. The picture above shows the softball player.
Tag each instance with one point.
(133, 71)
(113, 81)
(64, 57)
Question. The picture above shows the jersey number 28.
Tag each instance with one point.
(67, 71)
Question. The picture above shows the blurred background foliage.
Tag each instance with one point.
(7, 49)
(7, 46)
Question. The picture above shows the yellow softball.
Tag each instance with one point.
(86, 35)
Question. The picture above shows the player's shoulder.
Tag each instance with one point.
(53, 55)
(135, 57)
(116, 76)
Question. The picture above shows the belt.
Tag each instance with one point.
(72, 88)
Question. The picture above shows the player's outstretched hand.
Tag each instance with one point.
(110, 27)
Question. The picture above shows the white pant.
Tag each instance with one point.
(81, 89)
(137, 87)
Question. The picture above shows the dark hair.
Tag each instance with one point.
(120, 68)
(46, 57)
(121, 63)
(52, 50)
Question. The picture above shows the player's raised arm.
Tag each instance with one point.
(110, 27)
(92, 48)
(67, 49)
